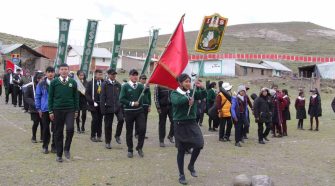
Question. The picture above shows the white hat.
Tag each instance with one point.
(272, 92)
(241, 88)
(227, 86)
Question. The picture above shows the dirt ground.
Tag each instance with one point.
(303, 158)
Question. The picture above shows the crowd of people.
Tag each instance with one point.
(55, 102)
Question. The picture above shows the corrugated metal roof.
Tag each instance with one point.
(97, 52)
(9, 48)
(251, 65)
(275, 66)
(326, 70)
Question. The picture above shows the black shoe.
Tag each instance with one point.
(93, 139)
(130, 155)
(33, 140)
(140, 153)
(238, 144)
(266, 139)
(78, 130)
(311, 129)
(316, 129)
(242, 140)
(45, 151)
(59, 159)
(83, 129)
(222, 139)
(227, 139)
(53, 150)
(161, 144)
(99, 139)
(146, 137)
(192, 171)
(171, 139)
(118, 139)
(182, 179)
(67, 155)
(245, 137)
(14, 105)
(261, 142)
(108, 146)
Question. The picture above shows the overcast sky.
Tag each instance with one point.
(37, 19)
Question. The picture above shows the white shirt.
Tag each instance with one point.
(10, 78)
(111, 81)
(132, 84)
(62, 79)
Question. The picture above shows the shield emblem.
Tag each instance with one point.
(211, 34)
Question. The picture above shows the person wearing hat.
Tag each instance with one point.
(211, 95)
(239, 113)
(314, 109)
(223, 105)
(164, 108)
(263, 111)
(110, 106)
(29, 98)
(187, 131)
(17, 80)
(93, 99)
(9, 85)
(130, 97)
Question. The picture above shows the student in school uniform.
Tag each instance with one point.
(187, 131)
(286, 111)
(82, 113)
(211, 95)
(17, 88)
(63, 109)
(93, 100)
(8, 84)
(130, 97)
(315, 109)
(300, 103)
(110, 106)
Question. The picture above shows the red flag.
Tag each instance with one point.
(10, 65)
(173, 61)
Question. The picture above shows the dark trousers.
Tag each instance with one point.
(285, 127)
(137, 118)
(46, 131)
(239, 127)
(36, 121)
(225, 122)
(83, 114)
(62, 118)
(181, 155)
(146, 113)
(300, 123)
(316, 120)
(200, 117)
(0, 90)
(25, 104)
(96, 125)
(17, 96)
(261, 133)
(165, 112)
(9, 90)
(109, 123)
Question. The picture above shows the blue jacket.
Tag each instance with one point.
(41, 96)
(235, 109)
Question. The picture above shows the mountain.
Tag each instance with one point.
(302, 38)
(11, 39)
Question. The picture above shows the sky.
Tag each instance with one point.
(37, 19)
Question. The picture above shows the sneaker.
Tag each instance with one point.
(261, 142)
(192, 171)
(82, 129)
(266, 139)
(130, 155)
(140, 153)
(45, 151)
(59, 159)
(170, 139)
(33, 140)
(118, 139)
(108, 146)
(67, 155)
(238, 144)
(182, 179)
(93, 139)
(161, 144)
(222, 139)
(99, 139)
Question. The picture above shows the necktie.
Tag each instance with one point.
(64, 80)
(99, 87)
(134, 85)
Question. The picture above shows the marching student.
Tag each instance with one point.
(164, 108)
(29, 98)
(82, 104)
(301, 110)
(314, 109)
(211, 95)
(187, 131)
(201, 109)
(63, 109)
(9, 85)
(93, 100)
(263, 110)
(41, 103)
(110, 106)
(239, 113)
(277, 114)
(223, 102)
(26, 79)
(134, 114)
(246, 127)
(17, 89)
(286, 111)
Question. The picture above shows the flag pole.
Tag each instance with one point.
(145, 87)
(197, 79)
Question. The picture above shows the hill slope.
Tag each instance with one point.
(11, 39)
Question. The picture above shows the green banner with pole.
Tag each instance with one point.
(150, 52)
(91, 32)
(116, 45)
(64, 27)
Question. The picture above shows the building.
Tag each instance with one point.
(278, 69)
(322, 71)
(49, 51)
(25, 57)
(126, 63)
(212, 68)
(252, 70)
(101, 58)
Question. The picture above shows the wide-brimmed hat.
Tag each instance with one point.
(241, 88)
(227, 86)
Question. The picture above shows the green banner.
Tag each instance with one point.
(89, 45)
(151, 49)
(116, 45)
(64, 26)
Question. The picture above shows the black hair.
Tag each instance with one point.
(182, 77)
(212, 85)
(301, 93)
(98, 71)
(50, 69)
(285, 91)
(63, 65)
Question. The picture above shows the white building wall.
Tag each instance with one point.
(73, 58)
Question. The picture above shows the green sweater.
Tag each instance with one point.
(180, 105)
(128, 95)
(211, 95)
(146, 99)
(63, 96)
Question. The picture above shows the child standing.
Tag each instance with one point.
(314, 109)
(301, 110)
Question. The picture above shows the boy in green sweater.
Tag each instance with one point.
(130, 98)
(63, 105)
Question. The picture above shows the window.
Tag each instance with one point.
(103, 59)
(252, 69)
(262, 72)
